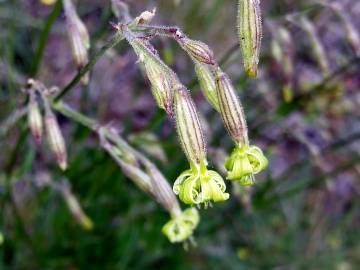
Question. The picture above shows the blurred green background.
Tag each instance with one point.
(302, 214)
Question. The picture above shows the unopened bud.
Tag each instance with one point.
(144, 18)
(79, 37)
(188, 126)
(161, 77)
(352, 33)
(150, 144)
(250, 33)
(76, 210)
(316, 45)
(161, 189)
(130, 169)
(35, 118)
(207, 84)
(230, 109)
(55, 139)
(161, 86)
(197, 50)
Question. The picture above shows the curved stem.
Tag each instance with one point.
(114, 41)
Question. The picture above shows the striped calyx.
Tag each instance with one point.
(78, 36)
(230, 109)
(188, 126)
(207, 84)
(55, 139)
(198, 184)
(250, 34)
(181, 226)
(34, 118)
(317, 46)
(161, 77)
(161, 85)
(197, 50)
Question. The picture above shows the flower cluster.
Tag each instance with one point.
(36, 121)
(198, 185)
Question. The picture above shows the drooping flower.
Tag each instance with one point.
(149, 179)
(245, 160)
(198, 184)
(182, 225)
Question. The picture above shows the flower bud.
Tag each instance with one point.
(76, 210)
(207, 84)
(161, 86)
(35, 118)
(78, 36)
(1, 239)
(55, 139)
(161, 189)
(161, 77)
(188, 126)
(181, 226)
(197, 50)
(250, 33)
(230, 109)
(150, 144)
(352, 34)
(316, 45)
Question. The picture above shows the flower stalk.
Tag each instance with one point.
(149, 179)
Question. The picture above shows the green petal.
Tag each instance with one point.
(189, 193)
(181, 227)
(180, 180)
(257, 159)
(248, 180)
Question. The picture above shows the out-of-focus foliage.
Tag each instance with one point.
(302, 214)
